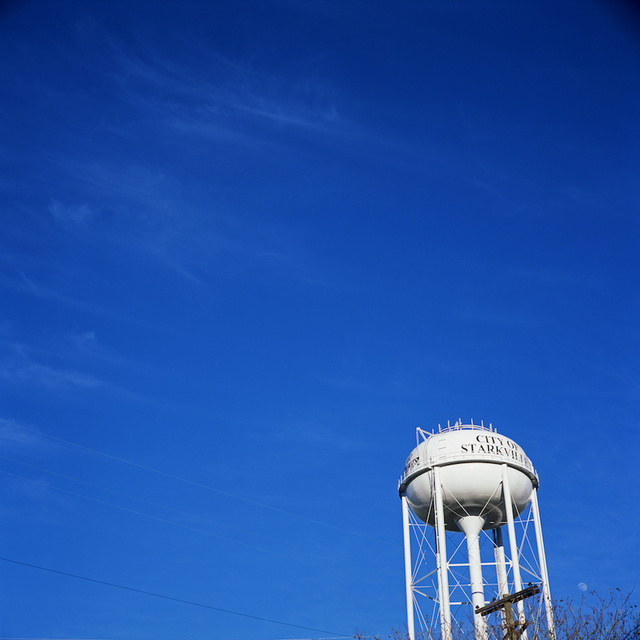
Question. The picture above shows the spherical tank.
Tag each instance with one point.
(470, 461)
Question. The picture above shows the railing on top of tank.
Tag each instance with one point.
(462, 457)
(457, 426)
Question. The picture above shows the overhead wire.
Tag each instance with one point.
(158, 518)
(203, 486)
(164, 520)
(150, 503)
(296, 558)
(171, 598)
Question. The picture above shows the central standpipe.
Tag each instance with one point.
(471, 526)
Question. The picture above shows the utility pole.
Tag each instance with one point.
(506, 604)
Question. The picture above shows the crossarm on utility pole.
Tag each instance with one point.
(494, 605)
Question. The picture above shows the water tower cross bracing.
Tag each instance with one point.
(462, 486)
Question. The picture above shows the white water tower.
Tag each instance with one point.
(465, 483)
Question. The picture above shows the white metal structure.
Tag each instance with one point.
(464, 484)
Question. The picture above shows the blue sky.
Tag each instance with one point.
(247, 247)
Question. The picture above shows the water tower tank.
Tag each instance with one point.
(469, 458)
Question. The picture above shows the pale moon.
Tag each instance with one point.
(582, 586)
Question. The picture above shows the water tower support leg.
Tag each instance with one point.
(501, 567)
(513, 544)
(441, 559)
(407, 568)
(546, 592)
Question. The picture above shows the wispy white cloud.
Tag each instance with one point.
(345, 382)
(206, 89)
(84, 340)
(149, 219)
(86, 346)
(135, 207)
(17, 366)
(12, 435)
(21, 282)
(65, 365)
(65, 214)
(32, 499)
(45, 375)
(559, 278)
(317, 436)
(501, 317)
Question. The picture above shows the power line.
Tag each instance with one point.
(173, 599)
(158, 518)
(292, 545)
(202, 486)
(149, 502)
